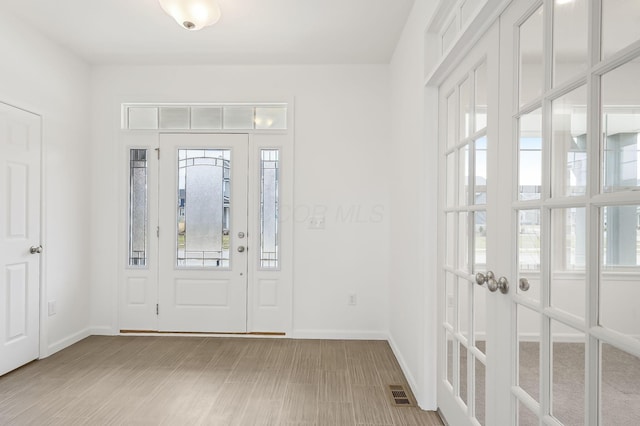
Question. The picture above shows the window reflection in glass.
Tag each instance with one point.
(621, 127)
(569, 143)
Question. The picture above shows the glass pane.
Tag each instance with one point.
(465, 109)
(481, 97)
(448, 36)
(619, 296)
(463, 307)
(450, 282)
(529, 251)
(451, 179)
(531, 71)
(269, 199)
(206, 118)
(479, 241)
(480, 317)
(204, 200)
(137, 207)
(143, 118)
(174, 118)
(480, 391)
(621, 127)
(271, 118)
(525, 416)
(570, 39)
(568, 250)
(463, 176)
(451, 238)
(569, 144)
(238, 118)
(530, 156)
(619, 391)
(451, 121)
(529, 337)
(619, 25)
(463, 242)
(480, 183)
(449, 358)
(567, 371)
(463, 374)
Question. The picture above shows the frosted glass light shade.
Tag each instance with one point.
(192, 14)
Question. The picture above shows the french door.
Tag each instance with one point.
(203, 236)
(562, 234)
(20, 248)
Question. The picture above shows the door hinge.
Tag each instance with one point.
(158, 231)
(157, 309)
(158, 152)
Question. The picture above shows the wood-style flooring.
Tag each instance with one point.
(210, 381)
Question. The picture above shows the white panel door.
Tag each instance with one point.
(203, 239)
(19, 232)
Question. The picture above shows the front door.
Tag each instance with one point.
(203, 238)
(19, 237)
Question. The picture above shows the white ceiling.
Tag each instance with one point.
(249, 32)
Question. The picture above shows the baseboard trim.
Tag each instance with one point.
(405, 369)
(68, 341)
(103, 331)
(339, 335)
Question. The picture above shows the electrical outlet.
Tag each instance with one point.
(316, 222)
(353, 299)
(52, 307)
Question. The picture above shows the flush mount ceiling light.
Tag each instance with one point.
(192, 14)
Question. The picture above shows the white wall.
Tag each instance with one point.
(343, 170)
(412, 308)
(42, 77)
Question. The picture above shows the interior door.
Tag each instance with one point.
(19, 237)
(469, 358)
(203, 239)
(570, 146)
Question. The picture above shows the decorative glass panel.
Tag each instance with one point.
(174, 117)
(531, 71)
(529, 335)
(619, 394)
(480, 182)
(138, 207)
(568, 254)
(451, 120)
(567, 374)
(240, 118)
(203, 208)
(269, 204)
(271, 118)
(481, 97)
(619, 25)
(479, 240)
(621, 127)
(206, 118)
(620, 253)
(465, 109)
(569, 144)
(570, 36)
(530, 156)
(529, 251)
(143, 118)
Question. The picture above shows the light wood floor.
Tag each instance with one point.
(214, 381)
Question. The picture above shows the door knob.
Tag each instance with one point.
(523, 283)
(35, 250)
(241, 249)
(484, 278)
